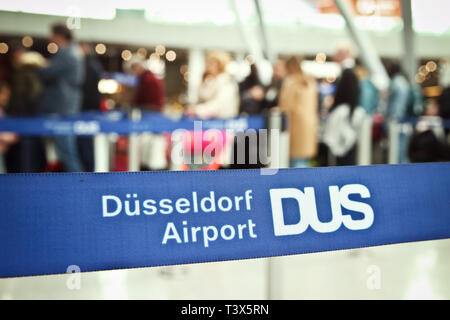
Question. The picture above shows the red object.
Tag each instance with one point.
(53, 167)
(377, 127)
(103, 105)
(121, 155)
(150, 92)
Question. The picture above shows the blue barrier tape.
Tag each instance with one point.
(101, 221)
(89, 124)
(123, 78)
(116, 122)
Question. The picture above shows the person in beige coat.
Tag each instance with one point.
(299, 99)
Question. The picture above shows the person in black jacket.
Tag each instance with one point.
(28, 154)
(251, 93)
(347, 92)
(444, 106)
(347, 87)
(273, 89)
(90, 102)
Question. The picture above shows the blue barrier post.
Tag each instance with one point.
(277, 128)
(133, 143)
(278, 139)
(101, 153)
(393, 137)
(364, 151)
(2, 165)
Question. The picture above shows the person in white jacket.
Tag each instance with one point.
(344, 118)
(218, 95)
(341, 132)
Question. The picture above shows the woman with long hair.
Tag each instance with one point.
(344, 118)
(299, 99)
(218, 95)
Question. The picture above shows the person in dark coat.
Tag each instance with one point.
(424, 146)
(28, 154)
(62, 79)
(444, 106)
(347, 87)
(273, 89)
(150, 92)
(251, 93)
(347, 94)
(90, 102)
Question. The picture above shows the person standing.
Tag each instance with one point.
(444, 106)
(344, 116)
(149, 96)
(218, 97)
(251, 93)
(397, 107)
(369, 96)
(62, 94)
(347, 87)
(150, 92)
(399, 93)
(218, 93)
(27, 155)
(299, 99)
(273, 89)
(6, 138)
(91, 102)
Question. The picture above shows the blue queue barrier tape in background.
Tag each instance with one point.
(102, 221)
(92, 123)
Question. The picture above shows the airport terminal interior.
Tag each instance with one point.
(342, 82)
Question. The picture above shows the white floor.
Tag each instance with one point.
(405, 271)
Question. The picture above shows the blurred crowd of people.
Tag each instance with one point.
(67, 83)
(64, 85)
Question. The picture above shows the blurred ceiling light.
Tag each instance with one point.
(420, 78)
(183, 69)
(52, 48)
(250, 59)
(27, 41)
(160, 49)
(321, 57)
(108, 86)
(154, 56)
(126, 55)
(100, 48)
(171, 55)
(423, 70)
(431, 66)
(142, 52)
(3, 48)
